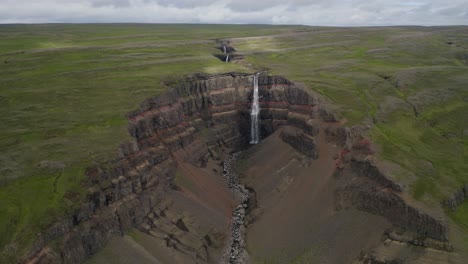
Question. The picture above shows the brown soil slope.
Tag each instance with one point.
(296, 217)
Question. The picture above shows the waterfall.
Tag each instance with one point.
(227, 58)
(254, 133)
(224, 49)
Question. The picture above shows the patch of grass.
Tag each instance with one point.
(135, 235)
(425, 146)
(461, 215)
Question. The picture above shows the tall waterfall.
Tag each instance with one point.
(227, 58)
(254, 133)
(224, 49)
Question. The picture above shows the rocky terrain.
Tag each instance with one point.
(195, 125)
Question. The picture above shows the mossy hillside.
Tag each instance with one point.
(423, 146)
(461, 216)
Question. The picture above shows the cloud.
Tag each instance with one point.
(113, 3)
(308, 12)
(183, 3)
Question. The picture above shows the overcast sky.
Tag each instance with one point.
(308, 12)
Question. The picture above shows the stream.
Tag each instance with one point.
(235, 252)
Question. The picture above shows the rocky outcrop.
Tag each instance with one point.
(205, 115)
(226, 48)
(459, 197)
(300, 141)
(371, 197)
(228, 52)
(362, 185)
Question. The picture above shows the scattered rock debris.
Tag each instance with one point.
(235, 252)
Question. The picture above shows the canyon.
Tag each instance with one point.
(310, 179)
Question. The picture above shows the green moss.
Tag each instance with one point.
(30, 204)
(135, 235)
(420, 145)
(461, 215)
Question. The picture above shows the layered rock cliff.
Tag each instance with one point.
(199, 119)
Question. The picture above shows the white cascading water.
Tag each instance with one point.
(224, 49)
(227, 58)
(254, 133)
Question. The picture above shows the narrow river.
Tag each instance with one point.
(235, 252)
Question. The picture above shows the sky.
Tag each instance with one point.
(306, 12)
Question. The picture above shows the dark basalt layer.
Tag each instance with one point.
(206, 115)
(457, 198)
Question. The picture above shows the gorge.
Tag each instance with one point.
(168, 182)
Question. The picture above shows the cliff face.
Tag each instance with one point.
(220, 104)
(457, 198)
(195, 121)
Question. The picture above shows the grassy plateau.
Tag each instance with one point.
(65, 89)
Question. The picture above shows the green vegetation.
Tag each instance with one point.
(65, 90)
(461, 215)
(432, 146)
